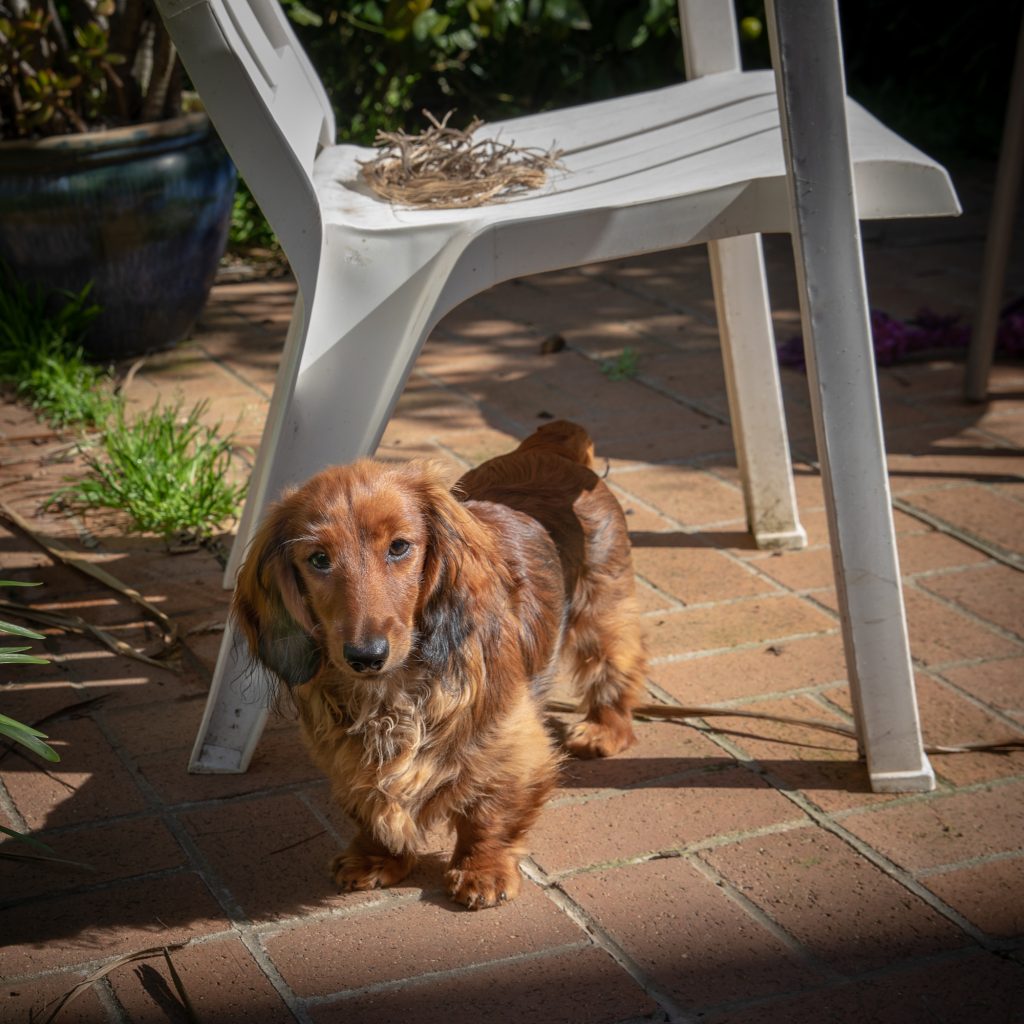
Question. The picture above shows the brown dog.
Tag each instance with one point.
(420, 632)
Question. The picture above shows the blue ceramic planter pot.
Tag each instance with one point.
(143, 212)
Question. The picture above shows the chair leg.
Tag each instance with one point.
(236, 710)
(755, 391)
(333, 397)
(807, 57)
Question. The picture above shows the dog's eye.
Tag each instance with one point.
(320, 561)
(399, 549)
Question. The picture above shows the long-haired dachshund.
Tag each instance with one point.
(419, 629)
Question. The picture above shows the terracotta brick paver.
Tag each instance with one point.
(727, 870)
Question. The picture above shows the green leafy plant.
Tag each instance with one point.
(41, 354)
(384, 61)
(68, 68)
(30, 738)
(625, 366)
(249, 228)
(168, 471)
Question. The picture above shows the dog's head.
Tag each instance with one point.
(356, 570)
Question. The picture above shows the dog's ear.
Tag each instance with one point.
(269, 607)
(444, 621)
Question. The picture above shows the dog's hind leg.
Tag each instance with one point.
(605, 658)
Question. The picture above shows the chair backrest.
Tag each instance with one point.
(267, 105)
(710, 41)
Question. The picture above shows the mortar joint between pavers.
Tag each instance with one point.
(320, 816)
(986, 547)
(779, 999)
(992, 627)
(342, 996)
(87, 888)
(882, 863)
(656, 300)
(83, 968)
(674, 603)
(603, 939)
(781, 593)
(220, 892)
(384, 900)
(265, 963)
(936, 795)
(261, 393)
(453, 454)
(824, 701)
(750, 645)
(940, 680)
(970, 862)
(684, 850)
(763, 918)
(212, 803)
(997, 439)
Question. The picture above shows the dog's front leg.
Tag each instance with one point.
(491, 834)
(484, 869)
(368, 864)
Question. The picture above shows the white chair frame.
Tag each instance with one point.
(718, 160)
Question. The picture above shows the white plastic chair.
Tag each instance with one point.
(706, 161)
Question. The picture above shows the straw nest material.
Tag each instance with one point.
(444, 169)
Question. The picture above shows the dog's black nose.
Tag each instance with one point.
(370, 655)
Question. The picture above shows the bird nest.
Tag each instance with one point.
(443, 168)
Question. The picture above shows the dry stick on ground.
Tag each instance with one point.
(61, 553)
(76, 624)
(98, 975)
(672, 713)
(444, 169)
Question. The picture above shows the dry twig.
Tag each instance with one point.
(673, 713)
(444, 169)
(60, 552)
(128, 958)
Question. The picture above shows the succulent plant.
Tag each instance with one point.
(82, 65)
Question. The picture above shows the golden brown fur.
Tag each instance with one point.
(420, 632)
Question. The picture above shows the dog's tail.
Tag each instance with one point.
(569, 440)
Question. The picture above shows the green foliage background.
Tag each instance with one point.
(937, 73)
(384, 60)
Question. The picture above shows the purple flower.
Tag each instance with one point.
(896, 340)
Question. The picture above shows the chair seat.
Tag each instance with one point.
(715, 136)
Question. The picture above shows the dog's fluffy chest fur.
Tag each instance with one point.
(393, 751)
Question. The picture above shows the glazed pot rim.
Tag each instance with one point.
(109, 138)
(61, 155)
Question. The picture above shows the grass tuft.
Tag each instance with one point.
(625, 366)
(41, 353)
(168, 470)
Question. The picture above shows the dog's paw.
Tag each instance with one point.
(353, 871)
(484, 886)
(599, 739)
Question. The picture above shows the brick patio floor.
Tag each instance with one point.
(714, 872)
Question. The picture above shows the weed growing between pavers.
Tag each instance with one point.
(165, 468)
(625, 366)
(168, 471)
